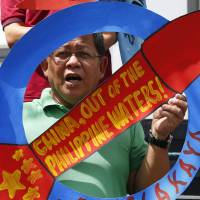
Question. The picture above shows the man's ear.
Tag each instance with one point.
(44, 65)
(103, 66)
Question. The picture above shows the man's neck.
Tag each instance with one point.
(61, 101)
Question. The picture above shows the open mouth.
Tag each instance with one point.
(73, 77)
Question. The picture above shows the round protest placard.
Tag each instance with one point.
(89, 18)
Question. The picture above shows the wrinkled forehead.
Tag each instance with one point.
(82, 42)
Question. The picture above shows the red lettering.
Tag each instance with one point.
(187, 167)
(175, 183)
(130, 198)
(191, 150)
(161, 194)
(194, 135)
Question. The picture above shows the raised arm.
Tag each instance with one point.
(156, 162)
(14, 32)
(13, 21)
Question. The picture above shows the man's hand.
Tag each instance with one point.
(14, 32)
(109, 39)
(169, 116)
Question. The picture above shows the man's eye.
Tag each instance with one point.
(83, 55)
(63, 54)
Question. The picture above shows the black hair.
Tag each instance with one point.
(139, 2)
(99, 43)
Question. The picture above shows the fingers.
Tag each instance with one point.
(181, 97)
(178, 99)
(168, 110)
(169, 116)
(180, 102)
(176, 107)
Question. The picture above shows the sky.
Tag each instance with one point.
(170, 9)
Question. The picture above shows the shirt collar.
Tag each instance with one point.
(48, 102)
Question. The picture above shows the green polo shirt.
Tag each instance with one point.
(105, 173)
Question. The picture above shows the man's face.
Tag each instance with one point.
(73, 78)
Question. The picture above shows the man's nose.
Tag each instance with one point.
(73, 61)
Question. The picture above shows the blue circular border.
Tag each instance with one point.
(51, 33)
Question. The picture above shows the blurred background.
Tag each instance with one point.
(168, 9)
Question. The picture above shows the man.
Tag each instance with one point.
(126, 164)
(17, 22)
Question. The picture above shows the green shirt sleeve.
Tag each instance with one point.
(138, 146)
